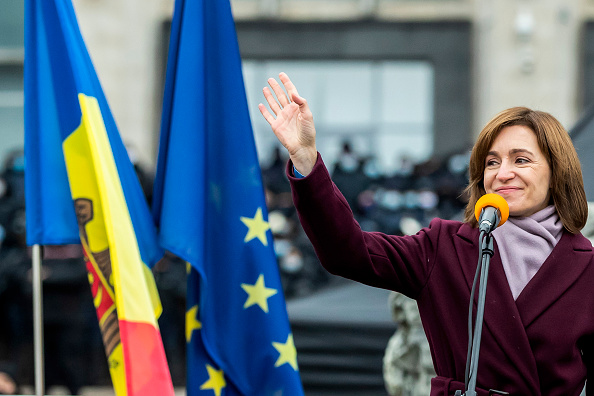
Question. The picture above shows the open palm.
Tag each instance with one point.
(292, 122)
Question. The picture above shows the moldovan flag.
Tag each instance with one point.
(79, 180)
(209, 203)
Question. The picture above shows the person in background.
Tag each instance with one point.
(538, 337)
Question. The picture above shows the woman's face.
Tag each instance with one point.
(516, 169)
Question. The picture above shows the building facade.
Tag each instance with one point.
(397, 78)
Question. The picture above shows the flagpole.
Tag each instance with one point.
(38, 321)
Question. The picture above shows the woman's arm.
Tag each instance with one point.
(391, 262)
(396, 263)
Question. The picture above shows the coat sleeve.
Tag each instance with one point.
(402, 264)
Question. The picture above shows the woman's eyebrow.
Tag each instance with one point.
(512, 151)
(520, 150)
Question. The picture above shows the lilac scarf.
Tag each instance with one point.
(525, 243)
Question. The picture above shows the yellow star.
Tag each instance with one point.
(288, 353)
(192, 322)
(257, 227)
(258, 294)
(216, 380)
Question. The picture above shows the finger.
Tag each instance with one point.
(267, 116)
(274, 106)
(298, 99)
(289, 86)
(278, 91)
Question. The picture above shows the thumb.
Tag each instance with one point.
(301, 102)
(298, 99)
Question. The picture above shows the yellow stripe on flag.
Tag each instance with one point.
(114, 260)
(95, 177)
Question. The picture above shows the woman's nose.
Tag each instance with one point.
(505, 172)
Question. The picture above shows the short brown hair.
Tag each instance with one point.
(567, 185)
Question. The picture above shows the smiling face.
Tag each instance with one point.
(516, 169)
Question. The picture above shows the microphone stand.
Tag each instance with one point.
(486, 254)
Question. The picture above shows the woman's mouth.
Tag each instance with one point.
(506, 190)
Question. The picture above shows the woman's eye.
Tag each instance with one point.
(491, 162)
(522, 160)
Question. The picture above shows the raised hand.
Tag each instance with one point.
(293, 125)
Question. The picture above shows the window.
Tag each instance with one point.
(383, 108)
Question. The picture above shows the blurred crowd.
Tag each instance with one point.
(73, 349)
(70, 326)
(397, 202)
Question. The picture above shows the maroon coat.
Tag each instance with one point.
(540, 344)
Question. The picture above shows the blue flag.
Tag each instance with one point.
(209, 204)
(50, 211)
(57, 69)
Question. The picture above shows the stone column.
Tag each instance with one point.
(526, 54)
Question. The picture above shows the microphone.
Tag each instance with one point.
(491, 211)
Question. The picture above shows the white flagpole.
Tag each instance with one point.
(38, 320)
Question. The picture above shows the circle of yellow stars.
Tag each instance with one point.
(258, 294)
(287, 355)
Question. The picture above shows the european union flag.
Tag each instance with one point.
(209, 204)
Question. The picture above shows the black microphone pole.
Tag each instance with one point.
(491, 210)
(487, 253)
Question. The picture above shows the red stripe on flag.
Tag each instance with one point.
(148, 375)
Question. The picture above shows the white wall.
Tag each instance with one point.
(123, 39)
(526, 53)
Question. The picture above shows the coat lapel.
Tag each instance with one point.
(502, 319)
(554, 277)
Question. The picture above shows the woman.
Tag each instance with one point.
(538, 334)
